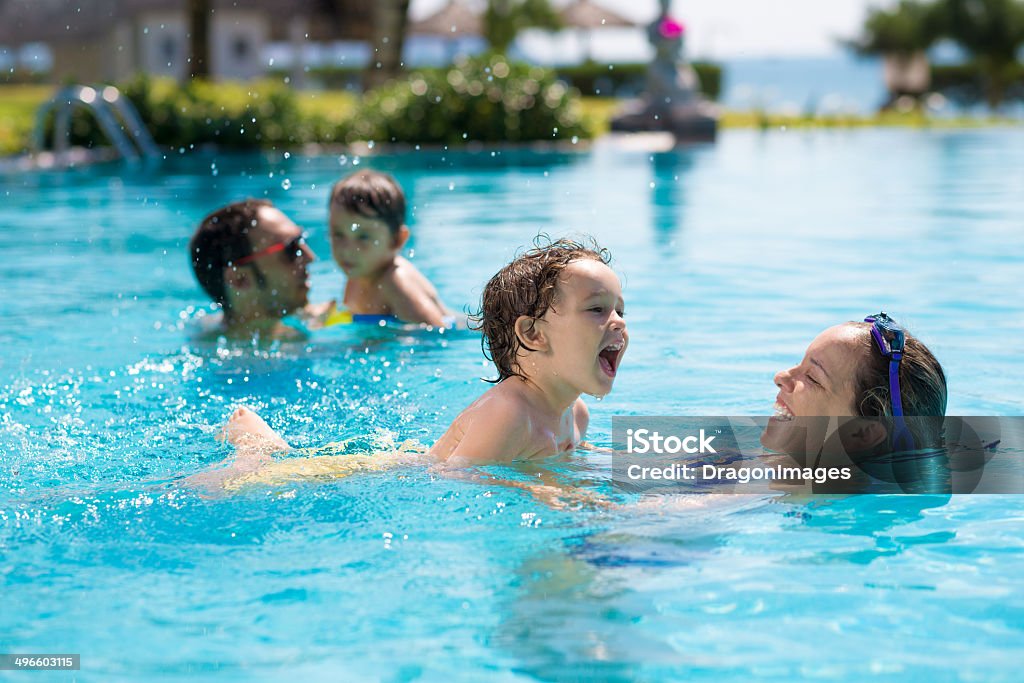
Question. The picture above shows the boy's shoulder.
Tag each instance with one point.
(494, 428)
(410, 295)
(403, 274)
(502, 405)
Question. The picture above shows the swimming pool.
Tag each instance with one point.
(733, 257)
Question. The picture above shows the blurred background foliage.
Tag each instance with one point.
(490, 99)
(504, 19)
(479, 99)
(991, 32)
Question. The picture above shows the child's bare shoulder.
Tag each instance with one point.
(410, 295)
(405, 278)
(501, 408)
(496, 427)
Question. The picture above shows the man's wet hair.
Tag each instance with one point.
(528, 286)
(222, 239)
(371, 194)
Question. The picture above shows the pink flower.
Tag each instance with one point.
(671, 28)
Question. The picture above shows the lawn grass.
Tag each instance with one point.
(18, 105)
(600, 110)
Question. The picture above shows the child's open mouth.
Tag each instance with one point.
(609, 358)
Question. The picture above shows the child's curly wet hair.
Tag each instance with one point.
(527, 287)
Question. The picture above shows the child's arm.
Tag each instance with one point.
(548, 490)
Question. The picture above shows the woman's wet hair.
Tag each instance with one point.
(922, 386)
(222, 239)
(527, 286)
(371, 194)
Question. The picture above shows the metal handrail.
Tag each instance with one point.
(114, 112)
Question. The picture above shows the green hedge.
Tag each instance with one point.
(481, 99)
(607, 80)
(485, 99)
(229, 115)
(326, 77)
(590, 78)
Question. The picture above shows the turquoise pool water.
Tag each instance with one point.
(733, 257)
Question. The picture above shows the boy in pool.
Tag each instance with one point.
(367, 231)
(552, 322)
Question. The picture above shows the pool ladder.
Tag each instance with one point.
(114, 112)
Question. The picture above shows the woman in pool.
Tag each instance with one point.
(885, 387)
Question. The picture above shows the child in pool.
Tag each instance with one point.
(552, 321)
(368, 230)
(552, 324)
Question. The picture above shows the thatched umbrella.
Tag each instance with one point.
(454, 19)
(589, 16)
(451, 22)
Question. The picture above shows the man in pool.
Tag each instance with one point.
(252, 261)
(368, 230)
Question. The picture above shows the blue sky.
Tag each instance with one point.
(718, 28)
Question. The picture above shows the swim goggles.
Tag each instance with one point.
(292, 248)
(891, 340)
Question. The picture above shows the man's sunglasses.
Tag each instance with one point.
(891, 340)
(292, 249)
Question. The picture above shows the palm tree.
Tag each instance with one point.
(993, 32)
(504, 19)
(902, 36)
(910, 27)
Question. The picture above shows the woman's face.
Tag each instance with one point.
(822, 384)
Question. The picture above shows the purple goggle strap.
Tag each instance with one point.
(902, 439)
